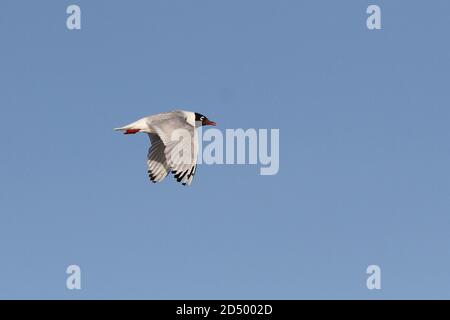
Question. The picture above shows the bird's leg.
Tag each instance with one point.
(132, 131)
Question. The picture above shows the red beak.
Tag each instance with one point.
(209, 123)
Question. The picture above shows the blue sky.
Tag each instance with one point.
(364, 150)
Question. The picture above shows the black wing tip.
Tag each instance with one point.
(181, 175)
(151, 176)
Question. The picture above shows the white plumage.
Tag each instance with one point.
(174, 144)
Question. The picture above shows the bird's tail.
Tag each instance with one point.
(127, 131)
(133, 128)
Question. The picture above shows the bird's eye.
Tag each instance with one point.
(202, 118)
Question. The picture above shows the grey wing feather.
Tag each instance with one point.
(158, 168)
(164, 155)
(183, 169)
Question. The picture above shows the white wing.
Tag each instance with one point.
(177, 139)
(158, 168)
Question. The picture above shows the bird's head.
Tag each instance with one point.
(203, 121)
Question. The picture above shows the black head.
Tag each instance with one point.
(199, 118)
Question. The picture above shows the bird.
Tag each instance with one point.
(174, 144)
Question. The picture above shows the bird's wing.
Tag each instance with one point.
(183, 171)
(158, 168)
(181, 146)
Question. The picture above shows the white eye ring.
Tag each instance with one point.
(202, 118)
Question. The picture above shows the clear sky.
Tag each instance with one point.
(364, 153)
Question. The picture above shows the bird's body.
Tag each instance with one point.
(174, 145)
